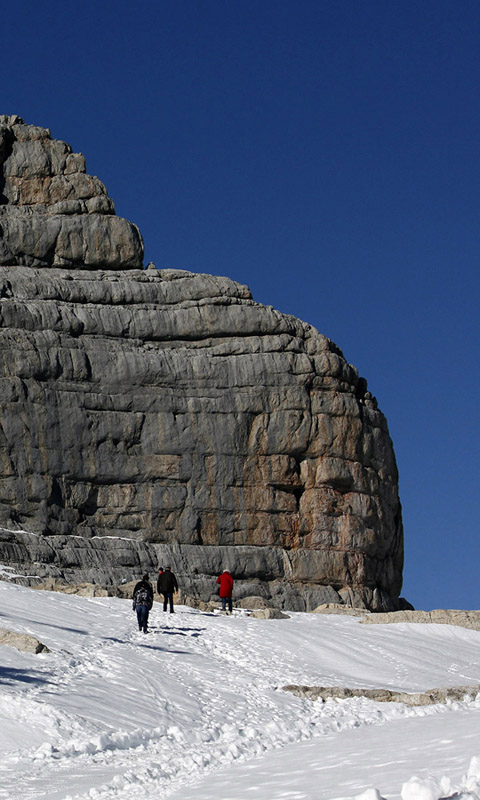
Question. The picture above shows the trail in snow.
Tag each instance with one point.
(111, 711)
(347, 763)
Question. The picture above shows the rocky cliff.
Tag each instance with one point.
(160, 415)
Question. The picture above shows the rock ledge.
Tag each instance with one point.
(429, 697)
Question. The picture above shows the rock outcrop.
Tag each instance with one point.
(160, 415)
(430, 697)
(51, 212)
(440, 616)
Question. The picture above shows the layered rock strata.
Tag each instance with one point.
(51, 212)
(160, 415)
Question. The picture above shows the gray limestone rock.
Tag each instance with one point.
(428, 698)
(338, 608)
(268, 613)
(440, 616)
(51, 212)
(22, 641)
(253, 602)
(160, 414)
(81, 589)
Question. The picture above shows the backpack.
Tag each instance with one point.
(141, 597)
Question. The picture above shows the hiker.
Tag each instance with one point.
(167, 585)
(226, 588)
(142, 602)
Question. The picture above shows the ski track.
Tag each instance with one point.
(203, 659)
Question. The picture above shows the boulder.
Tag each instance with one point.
(253, 602)
(268, 613)
(22, 641)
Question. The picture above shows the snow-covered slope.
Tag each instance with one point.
(193, 709)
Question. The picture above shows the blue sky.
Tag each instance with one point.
(327, 154)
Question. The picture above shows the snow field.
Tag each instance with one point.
(194, 707)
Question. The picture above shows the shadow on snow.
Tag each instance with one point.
(11, 675)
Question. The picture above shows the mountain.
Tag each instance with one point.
(152, 416)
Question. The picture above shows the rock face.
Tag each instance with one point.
(154, 415)
(51, 212)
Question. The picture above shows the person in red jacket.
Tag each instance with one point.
(226, 588)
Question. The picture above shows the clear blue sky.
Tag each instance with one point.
(327, 154)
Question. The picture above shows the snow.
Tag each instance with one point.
(195, 709)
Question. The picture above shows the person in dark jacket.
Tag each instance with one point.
(226, 589)
(167, 585)
(142, 602)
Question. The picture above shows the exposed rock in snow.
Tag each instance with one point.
(22, 641)
(440, 616)
(430, 697)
